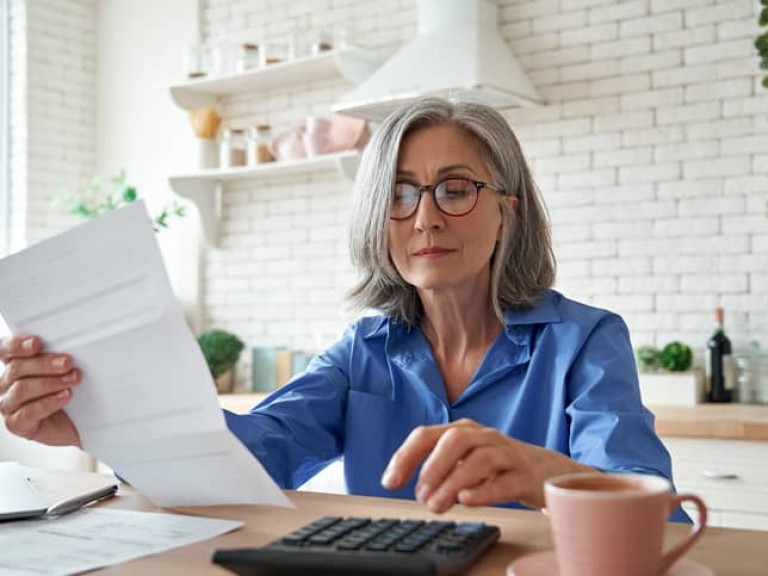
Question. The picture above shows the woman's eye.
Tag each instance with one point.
(403, 194)
(455, 189)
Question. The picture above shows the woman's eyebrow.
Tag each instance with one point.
(453, 167)
(440, 171)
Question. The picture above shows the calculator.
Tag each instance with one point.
(336, 545)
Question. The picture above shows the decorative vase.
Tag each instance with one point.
(672, 388)
(225, 382)
(208, 157)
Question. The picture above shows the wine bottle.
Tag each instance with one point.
(719, 363)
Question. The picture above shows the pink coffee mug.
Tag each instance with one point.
(609, 524)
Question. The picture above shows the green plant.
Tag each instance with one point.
(100, 197)
(221, 350)
(761, 44)
(648, 358)
(676, 357)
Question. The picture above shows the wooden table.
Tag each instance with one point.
(728, 552)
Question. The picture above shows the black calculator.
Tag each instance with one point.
(334, 545)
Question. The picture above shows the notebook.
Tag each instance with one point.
(19, 497)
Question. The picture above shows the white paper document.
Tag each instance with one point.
(147, 405)
(95, 538)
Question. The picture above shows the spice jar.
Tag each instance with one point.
(260, 144)
(248, 59)
(233, 148)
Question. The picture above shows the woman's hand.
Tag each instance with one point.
(34, 387)
(477, 466)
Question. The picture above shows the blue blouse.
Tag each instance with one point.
(560, 375)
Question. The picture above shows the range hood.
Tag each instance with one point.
(457, 54)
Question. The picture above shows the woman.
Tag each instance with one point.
(475, 370)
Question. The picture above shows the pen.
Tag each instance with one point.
(72, 504)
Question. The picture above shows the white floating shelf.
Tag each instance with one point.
(204, 187)
(354, 64)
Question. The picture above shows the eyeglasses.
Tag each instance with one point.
(453, 197)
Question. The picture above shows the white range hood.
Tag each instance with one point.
(458, 54)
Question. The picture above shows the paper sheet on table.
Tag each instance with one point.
(91, 539)
(147, 405)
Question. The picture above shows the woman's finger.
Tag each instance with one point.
(19, 346)
(26, 421)
(32, 389)
(410, 455)
(38, 366)
(453, 447)
(495, 489)
(482, 459)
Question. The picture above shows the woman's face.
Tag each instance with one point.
(434, 251)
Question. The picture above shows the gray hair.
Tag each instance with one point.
(523, 264)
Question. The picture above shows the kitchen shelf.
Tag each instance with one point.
(204, 188)
(352, 63)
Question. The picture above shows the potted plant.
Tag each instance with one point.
(666, 376)
(761, 45)
(221, 350)
(100, 197)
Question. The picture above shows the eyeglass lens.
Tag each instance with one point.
(455, 197)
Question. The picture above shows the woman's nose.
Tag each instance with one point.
(428, 215)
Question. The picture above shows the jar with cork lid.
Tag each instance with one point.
(233, 148)
(260, 144)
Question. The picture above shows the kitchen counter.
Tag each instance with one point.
(241, 403)
(716, 421)
(724, 421)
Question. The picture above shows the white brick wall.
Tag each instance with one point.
(651, 152)
(53, 111)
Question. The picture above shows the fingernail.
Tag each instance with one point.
(389, 478)
(422, 493)
(436, 504)
(69, 377)
(59, 362)
(27, 344)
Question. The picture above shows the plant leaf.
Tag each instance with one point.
(129, 194)
(761, 41)
(118, 180)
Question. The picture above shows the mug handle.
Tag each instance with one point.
(673, 555)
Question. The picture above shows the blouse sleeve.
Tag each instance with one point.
(610, 428)
(299, 429)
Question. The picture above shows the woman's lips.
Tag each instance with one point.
(432, 252)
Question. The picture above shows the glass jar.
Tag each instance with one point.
(260, 144)
(248, 59)
(276, 50)
(746, 380)
(220, 58)
(195, 61)
(317, 43)
(233, 148)
(752, 375)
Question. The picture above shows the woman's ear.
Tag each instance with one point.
(512, 206)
